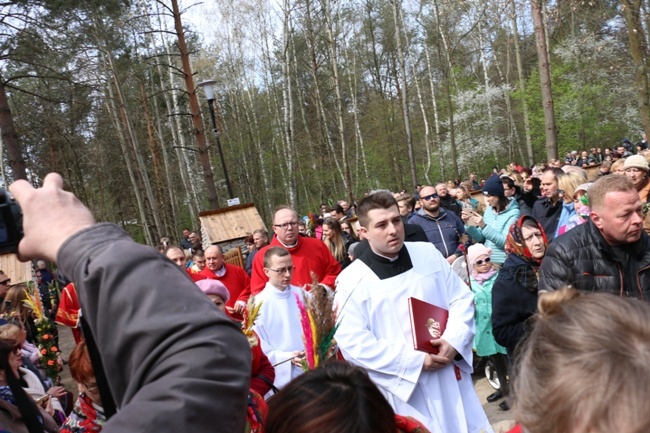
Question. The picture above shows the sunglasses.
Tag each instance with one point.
(480, 262)
(429, 197)
(5, 282)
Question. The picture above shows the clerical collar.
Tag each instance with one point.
(385, 267)
(289, 246)
(221, 272)
(390, 259)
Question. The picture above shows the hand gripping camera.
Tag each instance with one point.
(11, 223)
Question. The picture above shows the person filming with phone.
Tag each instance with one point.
(169, 360)
(491, 229)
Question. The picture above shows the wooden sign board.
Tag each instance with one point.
(233, 222)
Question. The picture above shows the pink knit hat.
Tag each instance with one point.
(476, 251)
(214, 287)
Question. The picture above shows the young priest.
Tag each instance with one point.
(375, 331)
(278, 323)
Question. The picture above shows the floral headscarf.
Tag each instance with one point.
(515, 241)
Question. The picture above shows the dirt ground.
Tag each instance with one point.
(501, 421)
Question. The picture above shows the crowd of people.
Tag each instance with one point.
(204, 345)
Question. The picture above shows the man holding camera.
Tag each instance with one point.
(172, 361)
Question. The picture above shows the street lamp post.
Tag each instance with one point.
(208, 88)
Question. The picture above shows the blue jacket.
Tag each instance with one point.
(443, 231)
(494, 234)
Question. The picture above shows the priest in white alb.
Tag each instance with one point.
(278, 324)
(375, 331)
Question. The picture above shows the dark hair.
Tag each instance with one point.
(557, 172)
(338, 208)
(508, 181)
(274, 251)
(335, 397)
(249, 239)
(24, 402)
(503, 203)
(377, 200)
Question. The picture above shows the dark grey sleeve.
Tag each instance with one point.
(173, 361)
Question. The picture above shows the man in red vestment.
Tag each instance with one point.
(233, 277)
(308, 254)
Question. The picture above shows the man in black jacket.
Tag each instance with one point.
(446, 200)
(548, 209)
(610, 253)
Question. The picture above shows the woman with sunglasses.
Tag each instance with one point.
(19, 413)
(482, 277)
(514, 294)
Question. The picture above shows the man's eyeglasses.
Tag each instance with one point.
(429, 197)
(292, 224)
(480, 262)
(283, 270)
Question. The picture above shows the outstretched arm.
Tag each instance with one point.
(173, 362)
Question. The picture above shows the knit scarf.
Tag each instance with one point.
(481, 278)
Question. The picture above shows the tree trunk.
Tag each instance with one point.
(522, 83)
(339, 101)
(287, 96)
(545, 80)
(10, 139)
(320, 108)
(636, 34)
(113, 109)
(199, 132)
(447, 72)
(175, 126)
(404, 93)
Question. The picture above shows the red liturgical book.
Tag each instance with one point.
(428, 322)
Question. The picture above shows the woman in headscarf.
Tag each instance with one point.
(19, 413)
(514, 294)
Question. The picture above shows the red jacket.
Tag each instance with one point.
(309, 255)
(236, 281)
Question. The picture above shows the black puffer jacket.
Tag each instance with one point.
(582, 258)
(514, 301)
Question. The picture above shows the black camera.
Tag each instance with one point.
(11, 223)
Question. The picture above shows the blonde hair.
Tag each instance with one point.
(617, 165)
(570, 181)
(584, 366)
(10, 331)
(14, 303)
